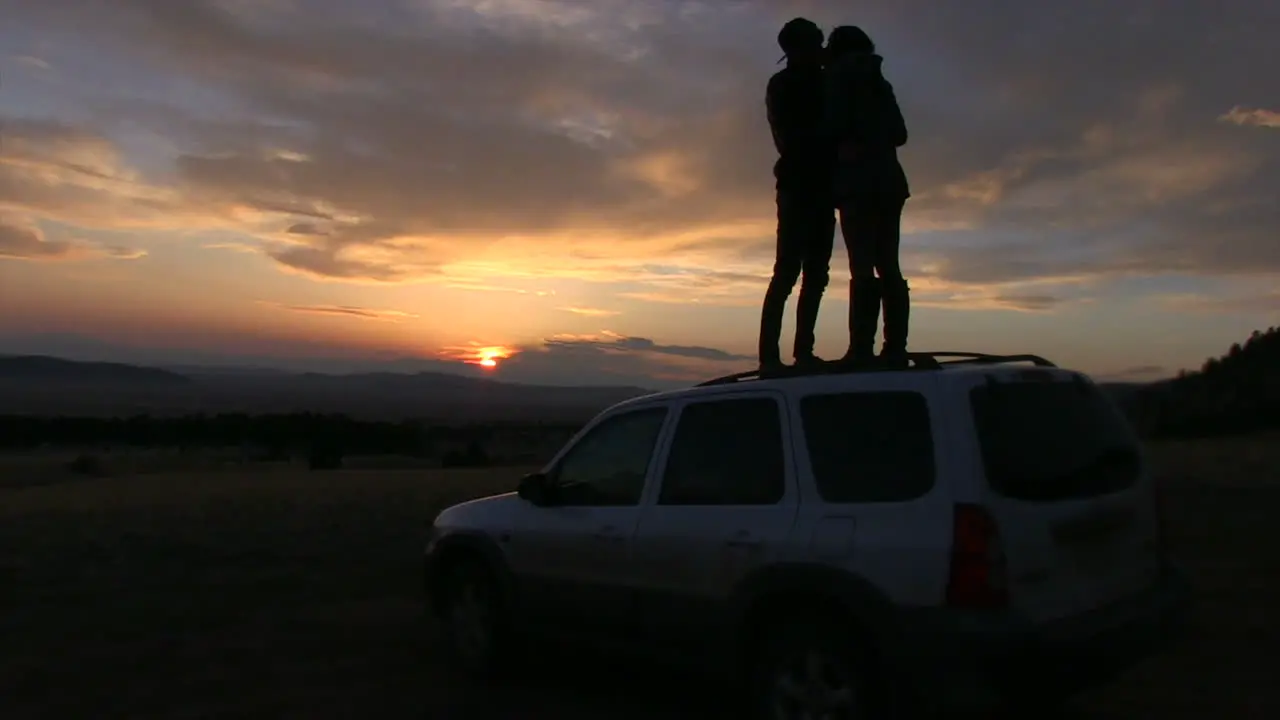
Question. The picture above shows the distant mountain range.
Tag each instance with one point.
(42, 385)
(1237, 392)
(23, 370)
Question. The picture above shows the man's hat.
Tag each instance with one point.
(797, 35)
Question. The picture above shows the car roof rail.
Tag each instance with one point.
(915, 361)
(970, 358)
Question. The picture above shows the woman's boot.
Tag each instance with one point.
(897, 316)
(864, 311)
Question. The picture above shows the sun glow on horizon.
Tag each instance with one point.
(486, 356)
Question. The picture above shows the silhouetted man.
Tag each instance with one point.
(806, 214)
(870, 191)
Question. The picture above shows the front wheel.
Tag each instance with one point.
(806, 670)
(471, 611)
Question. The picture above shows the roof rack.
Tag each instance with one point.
(915, 361)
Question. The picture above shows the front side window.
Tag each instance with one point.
(608, 465)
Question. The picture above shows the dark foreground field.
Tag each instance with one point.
(296, 595)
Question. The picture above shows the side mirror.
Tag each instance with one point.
(536, 488)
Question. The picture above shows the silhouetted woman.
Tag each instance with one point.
(871, 190)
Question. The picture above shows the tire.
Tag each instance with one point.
(472, 614)
(810, 668)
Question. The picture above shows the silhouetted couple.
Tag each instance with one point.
(837, 127)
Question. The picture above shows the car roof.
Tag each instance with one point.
(923, 365)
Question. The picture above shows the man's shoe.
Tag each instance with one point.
(771, 366)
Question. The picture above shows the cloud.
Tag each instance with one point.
(989, 301)
(1232, 303)
(32, 61)
(613, 358)
(590, 312)
(52, 169)
(1138, 373)
(239, 247)
(602, 358)
(27, 242)
(1257, 117)
(361, 313)
(306, 228)
(625, 143)
(613, 342)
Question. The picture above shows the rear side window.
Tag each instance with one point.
(869, 446)
(726, 452)
(1052, 441)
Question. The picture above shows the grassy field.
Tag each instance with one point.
(296, 595)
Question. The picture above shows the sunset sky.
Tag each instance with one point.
(583, 187)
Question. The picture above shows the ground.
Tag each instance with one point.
(297, 595)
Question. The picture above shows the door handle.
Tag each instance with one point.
(742, 539)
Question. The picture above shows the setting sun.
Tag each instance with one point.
(473, 353)
(488, 357)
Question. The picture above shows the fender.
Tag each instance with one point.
(865, 604)
(471, 543)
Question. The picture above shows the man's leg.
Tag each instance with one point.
(819, 238)
(786, 270)
(864, 288)
(897, 294)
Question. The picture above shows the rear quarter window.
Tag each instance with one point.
(867, 447)
(1053, 441)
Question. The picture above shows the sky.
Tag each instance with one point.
(581, 191)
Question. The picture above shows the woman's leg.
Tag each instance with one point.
(894, 289)
(857, 227)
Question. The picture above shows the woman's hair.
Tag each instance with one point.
(850, 39)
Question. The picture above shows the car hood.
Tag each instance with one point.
(488, 512)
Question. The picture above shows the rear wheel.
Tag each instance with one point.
(813, 670)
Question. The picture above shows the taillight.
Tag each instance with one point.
(978, 577)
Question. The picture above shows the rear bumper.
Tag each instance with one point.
(964, 660)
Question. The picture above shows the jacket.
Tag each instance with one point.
(863, 117)
(794, 103)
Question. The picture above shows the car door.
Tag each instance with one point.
(723, 505)
(571, 558)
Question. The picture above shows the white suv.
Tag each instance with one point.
(849, 543)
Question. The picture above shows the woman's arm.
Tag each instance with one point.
(838, 102)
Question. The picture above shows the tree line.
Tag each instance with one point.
(1235, 393)
(323, 438)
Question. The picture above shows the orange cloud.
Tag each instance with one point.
(590, 312)
(1257, 117)
(348, 311)
(579, 145)
(21, 241)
